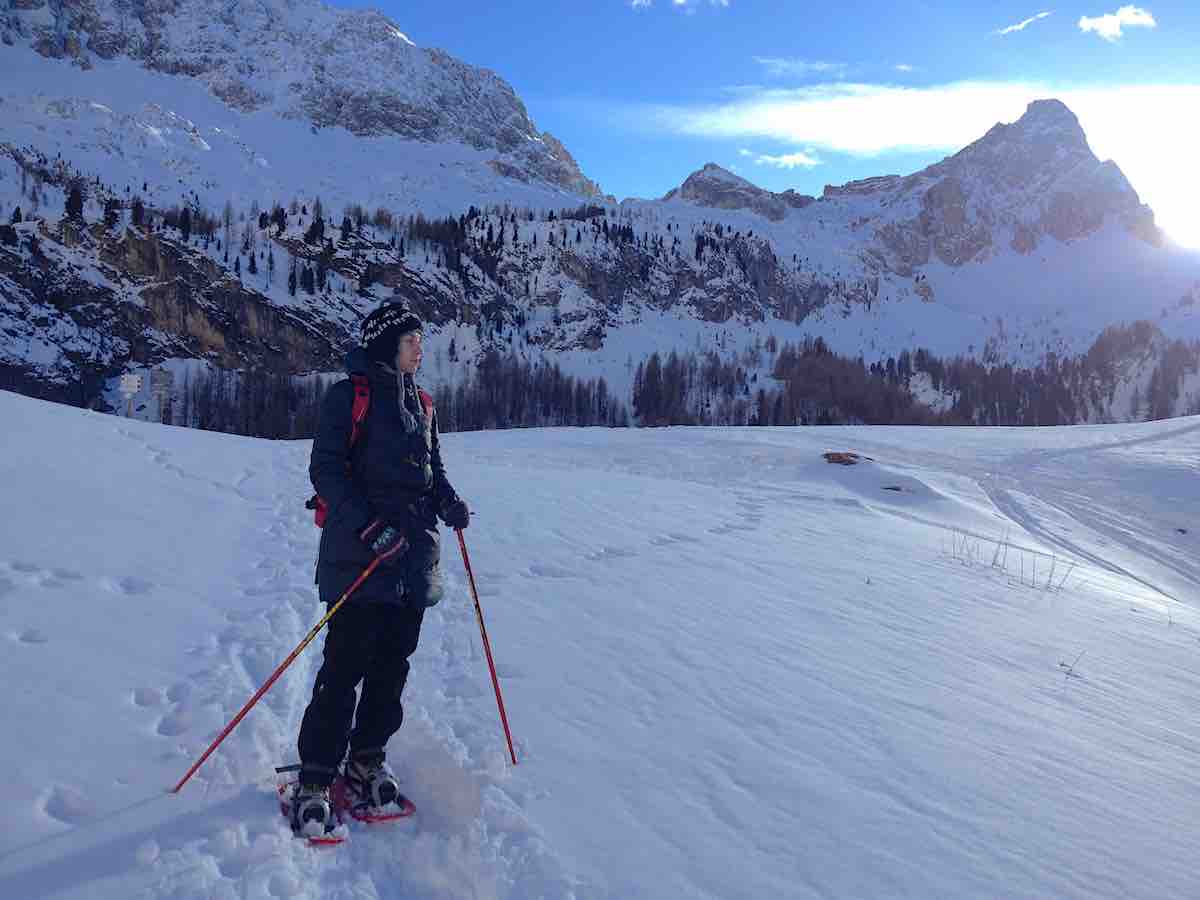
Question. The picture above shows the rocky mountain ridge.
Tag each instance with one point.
(1020, 184)
(357, 70)
(1019, 246)
(718, 188)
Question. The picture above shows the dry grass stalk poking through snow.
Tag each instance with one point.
(1030, 568)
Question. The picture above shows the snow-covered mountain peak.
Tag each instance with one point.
(1036, 176)
(714, 171)
(1051, 116)
(1047, 142)
(305, 60)
(719, 188)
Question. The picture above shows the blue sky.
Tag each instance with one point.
(795, 95)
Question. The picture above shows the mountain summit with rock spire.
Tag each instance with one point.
(1017, 186)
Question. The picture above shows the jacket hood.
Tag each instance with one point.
(357, 362)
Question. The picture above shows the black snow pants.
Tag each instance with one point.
(368, 643)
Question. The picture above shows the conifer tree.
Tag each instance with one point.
(16, 216)
(75, 204)
(316, 231)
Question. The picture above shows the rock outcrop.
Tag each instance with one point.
(139, 299)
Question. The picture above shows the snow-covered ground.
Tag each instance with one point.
(966, 668)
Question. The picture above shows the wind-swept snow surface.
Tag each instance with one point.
(965, 667)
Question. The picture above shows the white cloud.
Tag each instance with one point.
(1021, 26)
(796, 160)
(904, 67)
(685, 5)
(782, 67)
(1109, 26)
(806, 159)
(861, 119)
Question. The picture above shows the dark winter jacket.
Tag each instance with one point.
(395, 472)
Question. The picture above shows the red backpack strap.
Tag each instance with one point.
(362, 402)
(426, 403)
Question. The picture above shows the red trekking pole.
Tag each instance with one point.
(487, 647)
(275, 675)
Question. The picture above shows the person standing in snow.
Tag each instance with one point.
(383, 497)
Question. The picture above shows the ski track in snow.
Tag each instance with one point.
(1029, 493)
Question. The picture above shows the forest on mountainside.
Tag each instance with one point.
(811, 385)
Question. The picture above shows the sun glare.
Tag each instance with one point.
(1186, 234)
(1164, 184)
(1163, 179)
(1144, 131)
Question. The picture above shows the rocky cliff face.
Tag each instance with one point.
(353, 69)
(80, 302)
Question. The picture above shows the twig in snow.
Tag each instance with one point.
(1065, 577)
(1070, 669)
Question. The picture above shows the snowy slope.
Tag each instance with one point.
(132, 126)
(964, 669)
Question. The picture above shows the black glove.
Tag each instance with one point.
(384, 540)
(455, 513)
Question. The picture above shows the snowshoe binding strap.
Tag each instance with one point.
(312, 812)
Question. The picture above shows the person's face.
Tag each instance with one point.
(408, 353)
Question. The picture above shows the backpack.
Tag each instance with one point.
(358, 415)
